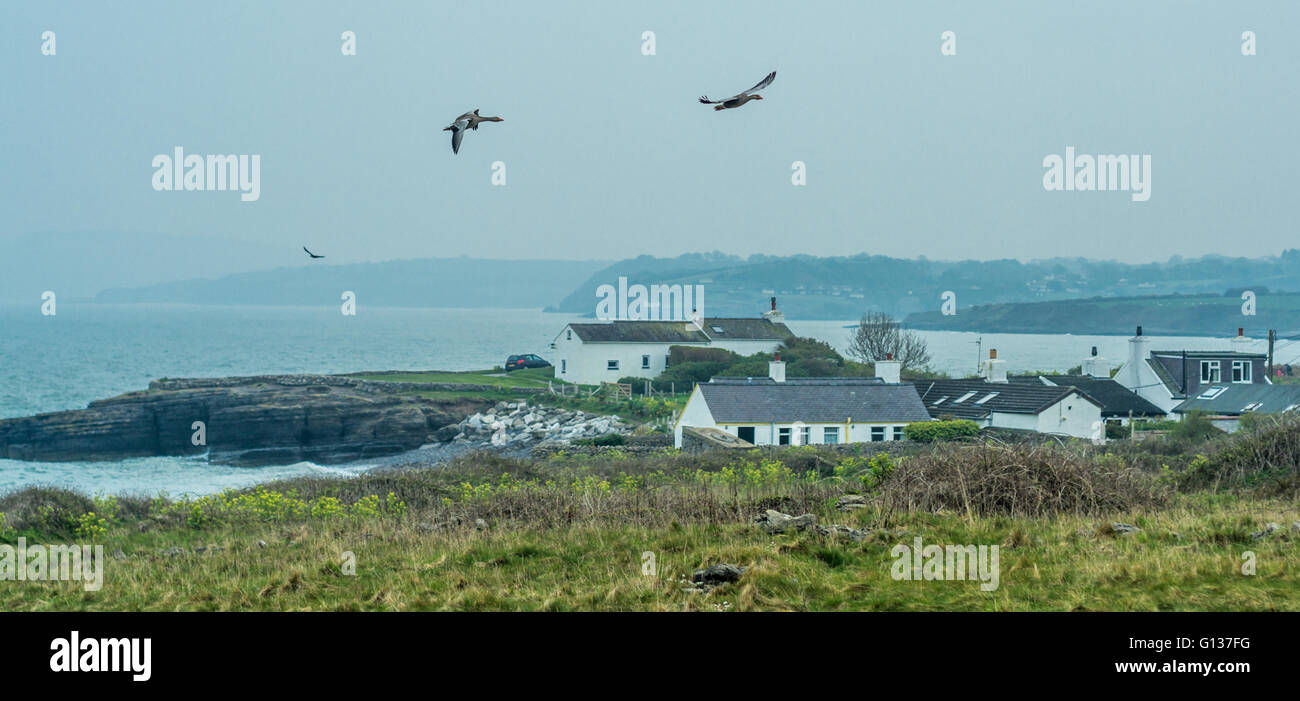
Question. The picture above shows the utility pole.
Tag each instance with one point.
(1272, 334)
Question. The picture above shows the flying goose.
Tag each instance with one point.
(742, 98)
(313, 255)
(469, 120)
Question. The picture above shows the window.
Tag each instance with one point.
(1252, 406)
(898, 433)
(783, 436)
(803, 435)
(831, 434)
(1241, 370)
(987, 397)
(568, 335)
(564, 366)
(1212, 392)
(667, 360)
(611, 364)
(645, 362)
(941, 401)
(963, 398)
(877, 433)
(1210, 371)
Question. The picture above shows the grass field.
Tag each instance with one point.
(573, 532)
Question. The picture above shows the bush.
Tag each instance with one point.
(950, 430)
(1017, 480)
(1270, 453)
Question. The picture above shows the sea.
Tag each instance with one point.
(90, 351)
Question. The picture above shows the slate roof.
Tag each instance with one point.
(681, 331)
(812, 400)
(1234, 399)
(1174, 384)
(941, 397)
(1116, 399)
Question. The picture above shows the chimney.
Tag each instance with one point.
(994, 370)
(1241, 342)
(697, 319)
(774, 315)
(776, 368)
(1095, 366)
(1138, 352)
(889, 370)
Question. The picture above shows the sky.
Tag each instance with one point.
(607, 153)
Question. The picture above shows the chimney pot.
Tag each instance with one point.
(993, 354)
(774, 304)
(889, 356)
(1240, 331)
(1094, 350)
(1139, 333)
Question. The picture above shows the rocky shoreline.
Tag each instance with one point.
(283, 419)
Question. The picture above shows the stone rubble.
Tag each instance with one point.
(515, 424)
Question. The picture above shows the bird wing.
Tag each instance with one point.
(761, 84)
(457, 133)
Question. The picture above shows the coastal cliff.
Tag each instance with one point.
(246, 421)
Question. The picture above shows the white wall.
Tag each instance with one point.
(585, 363)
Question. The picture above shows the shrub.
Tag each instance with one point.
(950, 430)
(1271, 452)
(1017, 480)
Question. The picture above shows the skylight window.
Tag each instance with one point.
(963, 398)
(987, 397)
(941, 400)
(1252, 406)
(717, 329)
(1212, 392)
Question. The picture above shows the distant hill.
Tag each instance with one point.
(809, 287)
(81, 264)
(432, 282)
(1181, 315)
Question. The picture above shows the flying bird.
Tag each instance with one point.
(313, 255)
(742, 98)
(469, 120)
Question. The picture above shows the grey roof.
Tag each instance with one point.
(813, 400)
(1175, 385)
(1116, 399)
(1234, 398)
(681, 331)
(942, 397)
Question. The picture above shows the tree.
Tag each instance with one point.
(878, 337)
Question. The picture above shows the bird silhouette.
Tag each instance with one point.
(738, 100)
(313, 255)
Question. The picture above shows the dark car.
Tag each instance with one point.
(519, 362)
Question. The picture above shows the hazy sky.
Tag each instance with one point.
(609, 155)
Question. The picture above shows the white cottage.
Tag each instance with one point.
(774, 410)
(604, 351)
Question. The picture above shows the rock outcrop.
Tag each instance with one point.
(244, 421)
(516, 424)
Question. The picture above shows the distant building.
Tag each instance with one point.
(995, 402)
(1166, 378)
(1225, 404)
(774, 410)
(604, 351)
(1118, 403)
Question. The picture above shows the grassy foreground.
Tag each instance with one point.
(573, 532)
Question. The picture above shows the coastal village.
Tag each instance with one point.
(1153, 383)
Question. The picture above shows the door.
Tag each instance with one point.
(745, 433)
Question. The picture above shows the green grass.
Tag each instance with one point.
(1045, 564)
(531, 377)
